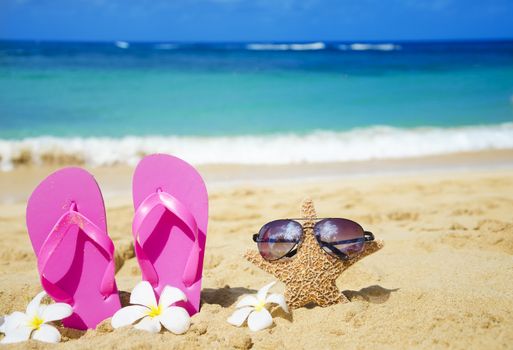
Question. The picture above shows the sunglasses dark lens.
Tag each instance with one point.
(340, 237)
(277, 238)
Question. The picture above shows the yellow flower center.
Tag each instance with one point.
(260, 305)
(36, 322)
(154, 311)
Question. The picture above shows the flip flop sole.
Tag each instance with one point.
(170, 243)
(77, 265)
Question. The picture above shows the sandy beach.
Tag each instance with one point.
(443, 280)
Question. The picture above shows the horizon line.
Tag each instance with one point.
(394, 41)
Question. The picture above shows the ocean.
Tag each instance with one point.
(252, 103)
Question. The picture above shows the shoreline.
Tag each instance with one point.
(374, 142)
(115, 181)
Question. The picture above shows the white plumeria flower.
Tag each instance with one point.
(2, 323)
(145, 308)
(32, 324)
(253, 307)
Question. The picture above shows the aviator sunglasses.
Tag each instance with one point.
(341, 238)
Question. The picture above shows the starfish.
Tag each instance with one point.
(310, 276)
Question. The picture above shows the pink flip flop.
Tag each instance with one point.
(170, 225)
(75, 256)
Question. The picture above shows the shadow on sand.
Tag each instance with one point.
(225, 296)
(374, 294)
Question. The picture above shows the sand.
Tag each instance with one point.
(443, 280)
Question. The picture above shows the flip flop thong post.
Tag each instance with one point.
(75, 256)
(170, 225)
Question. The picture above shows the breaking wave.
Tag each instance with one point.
(378, 142)
(369, 47)
(287, 47)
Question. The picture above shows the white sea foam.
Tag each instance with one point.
(122, 44)
(287, 47)
(369, 47)
(320, 146)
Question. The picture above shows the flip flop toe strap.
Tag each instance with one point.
(142, 228)
(54, 239)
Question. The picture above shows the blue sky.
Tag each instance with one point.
(252, 20)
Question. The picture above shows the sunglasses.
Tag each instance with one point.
(341, 238)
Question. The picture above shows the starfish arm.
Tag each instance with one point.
(274, 268)
(330, 296)
(370, 248)
(294, 299)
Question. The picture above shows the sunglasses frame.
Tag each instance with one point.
(367, 237)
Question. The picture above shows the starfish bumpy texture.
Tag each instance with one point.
(311, 274)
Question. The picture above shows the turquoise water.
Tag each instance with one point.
(71, 89)
(109, 103)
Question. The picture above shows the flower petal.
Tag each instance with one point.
(3, 323)
(128, 315)
(57, 311)
(247, 300)
(239, 316)
(171, 295)
(33, 306)
(47, 334)
(143, 294)
(176, 319)
(277, 299)
(149, 324)
(14, 320)
(262, 293)
(17, 335)
(259, 320)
